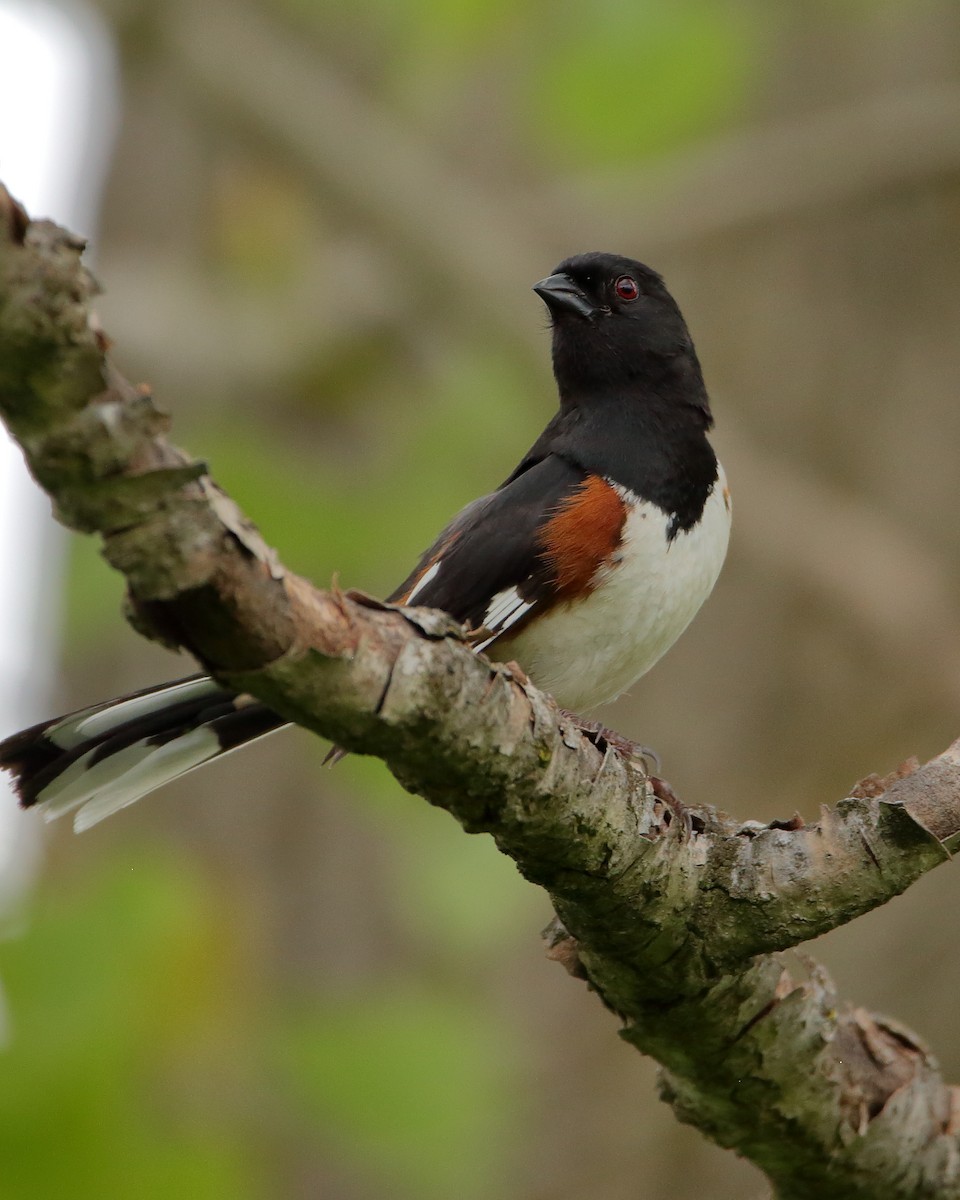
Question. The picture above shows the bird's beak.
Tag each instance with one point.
(559, 293)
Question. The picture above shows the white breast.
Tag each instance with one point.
(592, 650)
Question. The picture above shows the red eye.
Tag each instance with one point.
(626, 288)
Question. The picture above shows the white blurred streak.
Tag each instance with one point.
(58, 98)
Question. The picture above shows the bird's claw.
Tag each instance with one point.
(604, 738)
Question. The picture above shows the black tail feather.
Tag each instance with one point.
(211, 719)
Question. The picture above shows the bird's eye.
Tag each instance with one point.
(626, 288)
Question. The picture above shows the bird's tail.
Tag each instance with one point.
(101, 759)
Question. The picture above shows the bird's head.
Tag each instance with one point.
(616, 328)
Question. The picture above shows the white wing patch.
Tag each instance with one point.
(425, 578)
(505, 609)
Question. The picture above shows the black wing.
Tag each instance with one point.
(486, 568)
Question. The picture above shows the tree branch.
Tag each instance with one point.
(670, 912)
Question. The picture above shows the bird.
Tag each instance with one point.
(582, 568)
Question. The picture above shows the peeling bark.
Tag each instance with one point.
(673, 913)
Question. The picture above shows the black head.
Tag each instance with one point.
(616, 329)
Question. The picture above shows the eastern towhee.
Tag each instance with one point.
(583, 567)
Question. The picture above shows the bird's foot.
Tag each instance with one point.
(604, 738)
(674, 807)
(515, 671)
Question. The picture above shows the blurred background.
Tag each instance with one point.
(317, 240)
